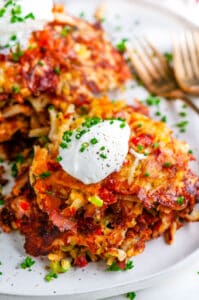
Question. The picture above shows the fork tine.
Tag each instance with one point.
(178, 65)
(192, 50)
(139, 66)
(186, 57)
(146, 60)
(163, 65)
(195, 36)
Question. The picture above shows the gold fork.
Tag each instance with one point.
(156, 73)
(186, 61)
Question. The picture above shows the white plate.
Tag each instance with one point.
(158, 259)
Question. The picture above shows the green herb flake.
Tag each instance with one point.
(147, 174)
(30, 16)
(2, 202)
(57, 70)
(121, 46)
(82, 14)
(84, 146)
(182, 124)
(13, 37)
(93, 141)
(115, 267)
(41, 63)
(164, 119)
(1, 273)
(58, 159)
(158, 113)
(180, 200)
(155, 145)
(50, 276)
(169, 57)
(27, 263)
(102, 148)
(139, 125)
(63, 145)
(122, 125)
(17, 55)
(95, 200)
(131, 295)
(183, 114)
(65, 31)
(19, 158)
(15, 89)
(44, 175)
(153, 100)
(190, 151)
(8, 3)
(14, 170)
(104, 156)
(2, 12)
(140, 147)
(167, 164)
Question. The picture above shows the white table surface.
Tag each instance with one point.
(184, 283)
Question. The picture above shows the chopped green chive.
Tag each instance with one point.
(84, 146)
(44, 175)
(63, 145)
(180, 200)
(167, 164)
(15, 89)
(27, 263)
(29, 16)
(58, 159)
(190, 151)
(164, 119)
(50, 276)
(102, 148)
(14, 170)
(139, 125)
(158, 113)
(2, 202)
(97, 201)
(140, 147)
(17, 55)
(19, 158)
(182, 124)
(153, 100)
(122, 125)
(65, 31)
(115, 267)
(1, 273)
(131, 295)
(121, 46)
(13, 37)
(2, 12)
(183, 114)
(40, 63)
(57, 70)
(155, 145)
(169, 57)
(147, 174)
(93, 141)
(102, 155)
(82, 14)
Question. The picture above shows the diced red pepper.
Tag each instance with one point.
(143, 139)
(81, 261)
(107, 196)
(24, 205)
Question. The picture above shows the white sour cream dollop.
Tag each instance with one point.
(19, 18)
(97, 153)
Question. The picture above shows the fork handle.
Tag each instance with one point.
(188, 101)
